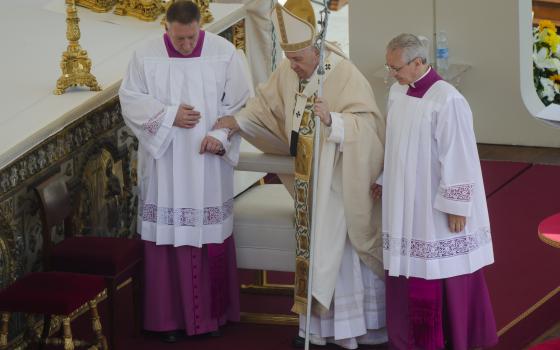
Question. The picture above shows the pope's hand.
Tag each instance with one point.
(187, 117)
(322, 111)
(456, 223)
(227, 122)
(211, 145)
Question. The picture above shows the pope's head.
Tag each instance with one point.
(304, 61)
(406, 58)
(183, 25)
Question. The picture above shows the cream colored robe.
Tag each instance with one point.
(266, 122)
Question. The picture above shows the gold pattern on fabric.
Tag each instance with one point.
(303, 176)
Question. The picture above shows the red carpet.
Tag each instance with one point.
(526, 270)
(498, 174)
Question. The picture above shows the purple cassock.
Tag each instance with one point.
(189, 288)
(434, 314)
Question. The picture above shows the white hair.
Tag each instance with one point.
(412, 46)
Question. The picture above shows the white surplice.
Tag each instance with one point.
(185, 198)
(432, 168)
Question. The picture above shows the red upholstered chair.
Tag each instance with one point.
(53, 293)
(115, 259)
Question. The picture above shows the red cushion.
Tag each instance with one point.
(106, 256)
(57, 293)
(553, 344)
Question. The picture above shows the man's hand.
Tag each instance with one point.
(376, 191)
(187, 117)
(211, 145)
(456, 223)
(321, 108)
(227, 122)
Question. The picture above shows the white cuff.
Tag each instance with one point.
(222, 136)
(379, 180)
(336, 129)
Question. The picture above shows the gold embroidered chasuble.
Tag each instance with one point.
(302, 200)
(267, 122)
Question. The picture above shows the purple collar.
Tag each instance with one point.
(172, 52)
(420, 87)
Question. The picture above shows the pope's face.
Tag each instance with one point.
(183, 36)
(404, 72)
(304, 62)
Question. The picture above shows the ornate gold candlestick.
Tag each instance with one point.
(75, 63)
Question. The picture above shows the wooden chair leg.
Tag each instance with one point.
(67, 331)
(111, 312)
(4, 330)
(96, 325)
(137, 300)
(46, 330)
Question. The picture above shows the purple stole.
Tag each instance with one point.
(425, 296)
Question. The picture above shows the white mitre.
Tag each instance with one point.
(295, 24)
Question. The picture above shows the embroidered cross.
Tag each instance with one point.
(298, 114)
(328, 66)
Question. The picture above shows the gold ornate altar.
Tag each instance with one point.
(80, 135)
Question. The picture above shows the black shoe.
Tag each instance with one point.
(169, 337)
(298, 342)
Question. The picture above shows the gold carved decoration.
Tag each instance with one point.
(206, 15)
(146, 10)
(95, 5)
(7, 229)
(238, 39)
(102, 196)
(75, 63)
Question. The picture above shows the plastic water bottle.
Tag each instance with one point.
(442, 53)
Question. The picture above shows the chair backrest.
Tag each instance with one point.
(55, 209)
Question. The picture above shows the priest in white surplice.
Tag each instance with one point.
(436, 231)
(175, 89)
(348, 290)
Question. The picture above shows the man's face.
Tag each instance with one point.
(404, 72)
(304, 62)
(183, 36)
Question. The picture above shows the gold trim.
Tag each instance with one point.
(272, 319)
(238, 35)
(527, 312)
(281, 24)
(261, 286)
(549, 241)
(96, 5)
(297, 46)
(268, 290)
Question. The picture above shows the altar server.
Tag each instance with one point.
(436, 231)
(174, 90)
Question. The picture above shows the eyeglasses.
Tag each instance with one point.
(396, 70)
